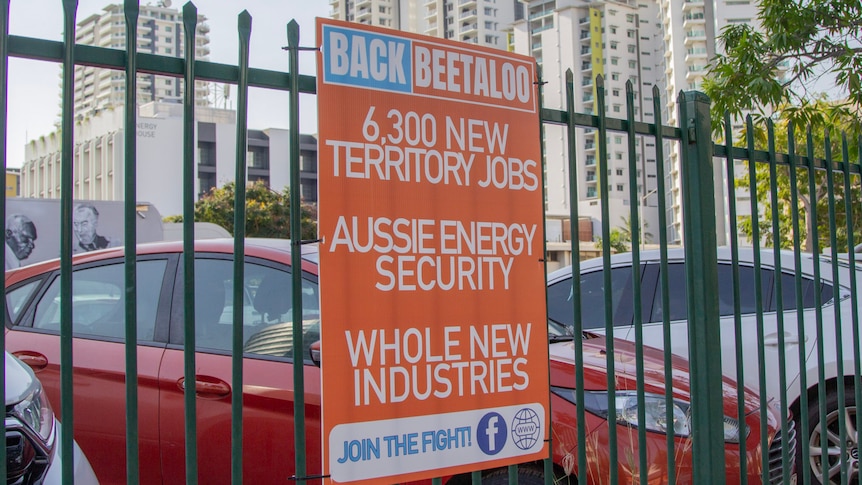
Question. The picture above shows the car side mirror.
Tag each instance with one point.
(314, 351)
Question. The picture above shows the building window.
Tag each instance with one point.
(258, 157)
(616, 108)
(620, 172)
(615, 60)
(619, 187)
(619, 156)
(633, 64)
(632, 49)
(613, 29)
(614, 44)
(615, 76)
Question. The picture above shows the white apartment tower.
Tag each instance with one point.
(484, 22)
(160, 31)
(381, 13)
(690, 29)
(620, 41)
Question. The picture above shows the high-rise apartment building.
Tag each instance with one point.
(690, 30)
(382, 13)
(160, 31)
(484, 22)
(619, 41)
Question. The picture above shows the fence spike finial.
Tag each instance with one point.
(293, 33)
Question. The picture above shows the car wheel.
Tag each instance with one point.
(830, 466)
(526, 476)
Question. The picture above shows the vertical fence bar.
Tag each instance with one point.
(758, 288)
(131, 10)
(698, 199)
(548, 462)
(802, 419)
(814, 236)
(296, 251)
(663, 269)
(854, 308)
(70, 8)
(244, 31)
(779, 301)
(737, 310)
(839, 353)
(606, 276)
(4, 96)
(635, 231)
(190, 20)
(576, 277)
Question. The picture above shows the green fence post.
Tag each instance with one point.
(296, 252)
(131, 10)
(190, 21)
(699, 232)
(70, 8)
(4, 77)
(244, 31)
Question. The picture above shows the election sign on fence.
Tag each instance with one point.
(434, 346)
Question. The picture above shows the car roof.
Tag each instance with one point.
(267, 248)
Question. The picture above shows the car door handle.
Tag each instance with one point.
(207, 387)
(772, 339)
(35, 360)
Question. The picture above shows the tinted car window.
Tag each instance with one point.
(17, 297)
(98, 301)
(788, 291)
(267, 309)
(677, 291)
(593, 299)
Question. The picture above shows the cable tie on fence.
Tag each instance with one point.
(308, 477)
(540, 83)
(306, 241)
(287, 48)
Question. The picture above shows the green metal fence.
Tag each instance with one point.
(828, 398)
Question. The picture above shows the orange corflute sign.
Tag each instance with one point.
(434, 336)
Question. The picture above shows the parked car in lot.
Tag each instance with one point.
(268, 449)
(833, 296)
(33, 446)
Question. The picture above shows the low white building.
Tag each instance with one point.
(99, 157)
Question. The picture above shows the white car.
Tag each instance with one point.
(33, 450)
(560, 309)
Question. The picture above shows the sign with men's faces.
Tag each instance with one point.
(33, 227)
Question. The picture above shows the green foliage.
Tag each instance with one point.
(807, 38)
(618, 241)
(823, 120)
(267, 212)
(621, 237)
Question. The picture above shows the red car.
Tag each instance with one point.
(33, 302)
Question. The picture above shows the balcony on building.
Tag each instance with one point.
(695, 73)
(204, 28)
(590, 161)
(468, 15)
(586, 66)
(696, 53)
(585, 35)
(689, 5)
(694, 36)
(584, 20)
(363, 13)
(693, 19)
(467, 3)
(585, 50)
(469, 28)
(590, 145)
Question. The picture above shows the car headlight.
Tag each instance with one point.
(36, 413)
(655, 411)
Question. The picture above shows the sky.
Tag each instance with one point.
(34, 86)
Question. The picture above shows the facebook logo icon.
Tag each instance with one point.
(491, 433)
